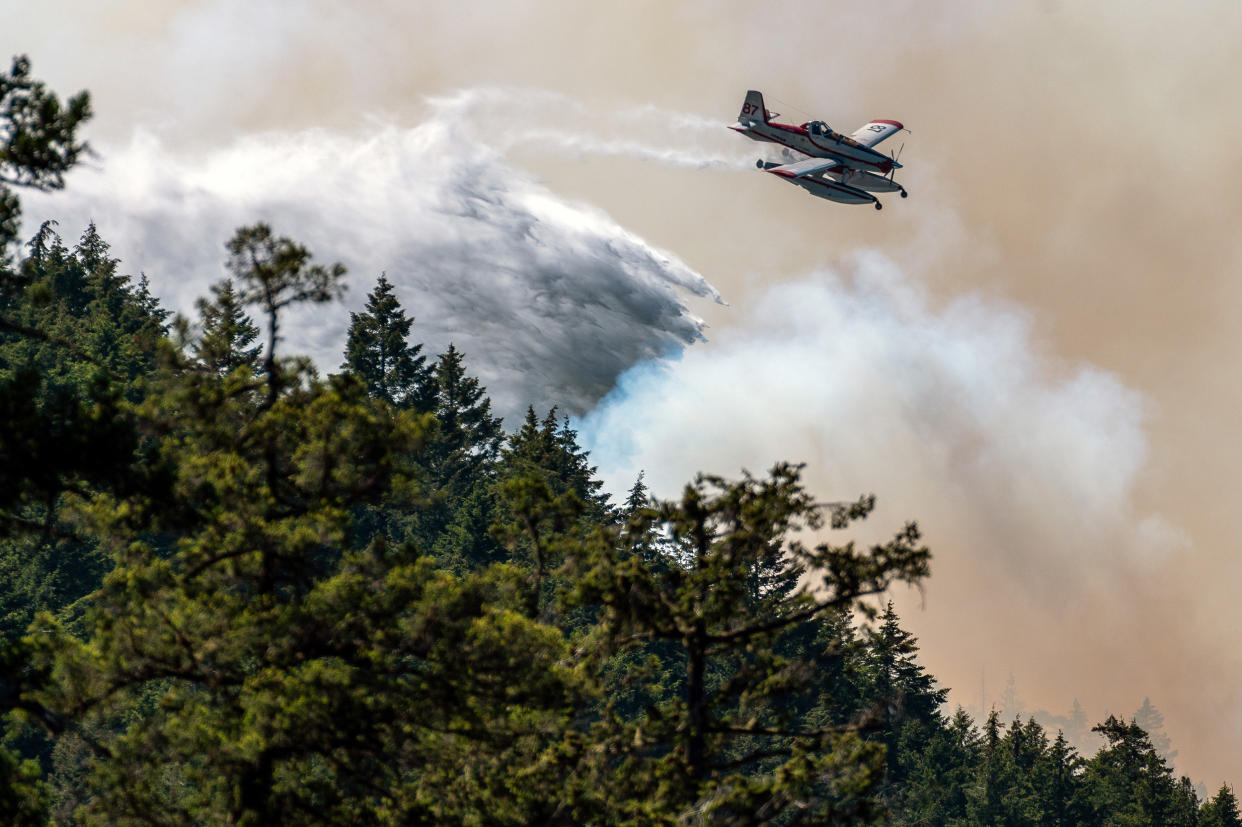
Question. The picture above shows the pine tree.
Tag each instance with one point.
(228, 334)
(38, 143)
(82, 337)
(941, 776)
(378, 352)
(733, 744)
(274, 272)
(1077, 723)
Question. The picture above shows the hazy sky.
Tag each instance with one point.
(1035, 355)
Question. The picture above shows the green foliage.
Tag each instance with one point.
(38, 142)
(1222, 810)
(377, 351)
(226, 342)
(277, 672)
(460, 468)
(24, 799)
(468, 438)
(908, 697)
(250, 595)
(274, 272)
(78, 342)
(1127, 782)
(727, 746)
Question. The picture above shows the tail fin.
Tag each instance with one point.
(752, 108)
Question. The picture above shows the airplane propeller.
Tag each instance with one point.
(896, 156)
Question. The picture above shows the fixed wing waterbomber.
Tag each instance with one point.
(827, 164)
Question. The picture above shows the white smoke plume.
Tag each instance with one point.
(953, 411)
(549, 299)
(543, 122)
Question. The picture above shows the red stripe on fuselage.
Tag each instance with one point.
(884, 166)
(797, 130)
(752, 132)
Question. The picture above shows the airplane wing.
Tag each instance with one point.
(872, 133)
(801, 169)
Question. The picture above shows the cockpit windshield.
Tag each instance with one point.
(820, 128)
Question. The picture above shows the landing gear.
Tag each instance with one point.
(759, 164)
(904, 194)
(878, 205)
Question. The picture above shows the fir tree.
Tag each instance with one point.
(228, 334)
(1152, 722)
(468, 437)
(1127, 779)
(637, 497)
(1010, 704)
(1058, 785)
(378, 352)
(1221, 810)
(900, 687)
(460, 467)
(550, 449)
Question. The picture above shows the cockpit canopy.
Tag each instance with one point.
(819, 128)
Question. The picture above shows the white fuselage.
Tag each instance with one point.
(834, 145)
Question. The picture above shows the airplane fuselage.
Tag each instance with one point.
(832, 145)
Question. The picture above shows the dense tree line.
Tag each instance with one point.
(235, 591)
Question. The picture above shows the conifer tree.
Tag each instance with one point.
(1221, 810)
(378, 352)
(1152, 722)
(228, 336)
(637, 497)
(941, 776)
(1058, 784)
(459, 464)
(468, 437)
(550, 449)
(38, 142)
(1127, 779)
(263, 669)
(274, 272)
(80, 336)
(1077, 724)
(901, 688)
(731, 746)
(1010, 703)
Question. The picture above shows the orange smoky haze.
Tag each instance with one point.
(1073, 167)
